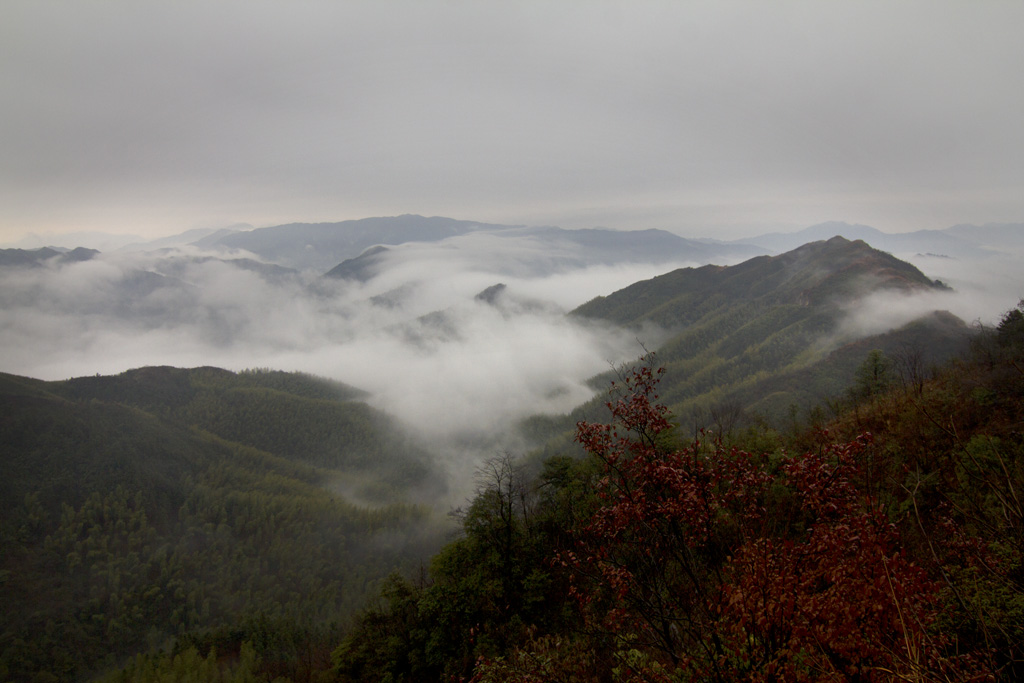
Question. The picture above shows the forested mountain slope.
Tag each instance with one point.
(166, 503)
(886, 547)
(817, 273)
(234, 522)
(954, 242)
(768, 333)
(298, 417)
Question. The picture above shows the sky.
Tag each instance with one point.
(718, 119)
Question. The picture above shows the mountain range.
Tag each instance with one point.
(772, 337)
(161, 503)
(139, 507)
(320, 246)
(959, 241)
(718, 325)
(37, 257)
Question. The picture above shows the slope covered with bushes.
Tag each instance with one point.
(887, 547)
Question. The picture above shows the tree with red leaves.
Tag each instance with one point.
(703, 563)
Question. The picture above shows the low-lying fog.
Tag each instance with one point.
(981, 292)
(453, 366)
(415, 335)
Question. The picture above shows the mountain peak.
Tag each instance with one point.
(843, 269)
(822, 273)
(361, 268)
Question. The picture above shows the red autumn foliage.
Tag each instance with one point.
(723, 565)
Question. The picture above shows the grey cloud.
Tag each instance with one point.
(150, 117)
(981, 291)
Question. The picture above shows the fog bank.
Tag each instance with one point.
(414, 335)
(458, 368)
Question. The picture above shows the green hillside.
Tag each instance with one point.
(164, 504)
(299, 417)
(763, 335)
(172, 524)
(818, 273)
(884, 545)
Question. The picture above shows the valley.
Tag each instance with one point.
(267, 444)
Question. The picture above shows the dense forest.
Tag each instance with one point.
(768, 340)
(886, 545)
(772, 331)
(746, 503)
(162, 507)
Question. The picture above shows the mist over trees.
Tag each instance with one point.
(885, 548)
(809, 424)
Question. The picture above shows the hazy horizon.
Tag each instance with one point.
(708, 119)
(193, 307)
(110, 241)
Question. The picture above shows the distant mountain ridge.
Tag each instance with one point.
(991, 235)
(557, 250)
(36, 257)
(196, 236)
(321, 246)
(341, 240)
(959, 241)
(324, 246)
(651, 246)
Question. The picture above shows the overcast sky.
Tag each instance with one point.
(719, 119)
